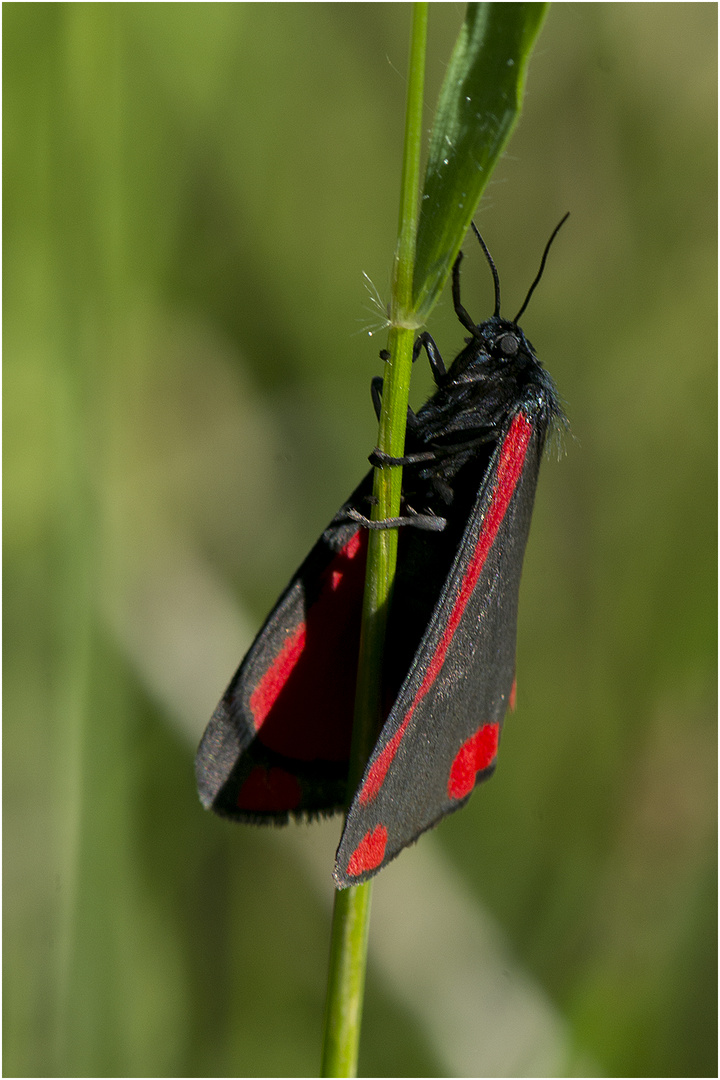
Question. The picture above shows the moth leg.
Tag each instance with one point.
(436, 361)
(430, 522)
(376, 393)
(381, 460)
(437, 364)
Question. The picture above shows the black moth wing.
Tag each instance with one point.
(278, 742)
(441, 735)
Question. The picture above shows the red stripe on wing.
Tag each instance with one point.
(510, 466)
(268, 689)
(302, 706)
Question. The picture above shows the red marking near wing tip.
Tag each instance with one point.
(474, 756)
(510, 466)
(370, 851)
(269, 789)
(513, 696)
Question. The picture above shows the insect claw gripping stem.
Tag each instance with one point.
(430, 522)
(381, 460)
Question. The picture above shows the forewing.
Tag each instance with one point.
(441, 736)
(279, 740)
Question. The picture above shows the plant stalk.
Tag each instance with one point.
(351, 915)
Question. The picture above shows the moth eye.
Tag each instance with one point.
(508, 344)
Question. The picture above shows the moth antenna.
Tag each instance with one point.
(531, 290)
(496, 279)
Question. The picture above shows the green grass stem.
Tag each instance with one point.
(351, 915)
(478, 107)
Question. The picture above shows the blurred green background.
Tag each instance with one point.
(192, 195)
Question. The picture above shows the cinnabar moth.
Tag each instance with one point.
(279, 741)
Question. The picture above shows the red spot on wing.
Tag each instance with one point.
(269, 789)
(513, 696)
(474, 756)
(303, 704)
(370, 851)
(510, 466)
